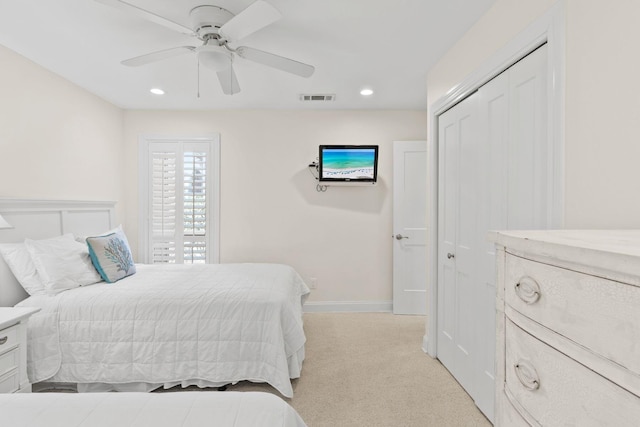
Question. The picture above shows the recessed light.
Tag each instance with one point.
(366, 92)
(157, 91)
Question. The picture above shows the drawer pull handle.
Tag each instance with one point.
(3, 340)
(528, 290)
(527, 375)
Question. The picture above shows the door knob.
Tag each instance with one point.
(400, 237)
(450, 255)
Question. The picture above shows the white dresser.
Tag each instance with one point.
(568, 328)
(13, 349)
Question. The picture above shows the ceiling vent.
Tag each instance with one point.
(318, 97)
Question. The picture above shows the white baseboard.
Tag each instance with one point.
(425, 343)
(347, 306)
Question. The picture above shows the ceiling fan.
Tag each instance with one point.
(217, 28)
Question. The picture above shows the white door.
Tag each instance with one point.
(457, 232)
(514, 189)
(528, 161)
(493, 169)
(493, 105)
(410, 227)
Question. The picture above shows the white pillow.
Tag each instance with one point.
(62, 263)
(19, 261)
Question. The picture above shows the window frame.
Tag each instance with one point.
(213, 173)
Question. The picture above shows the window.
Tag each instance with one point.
(179, 190)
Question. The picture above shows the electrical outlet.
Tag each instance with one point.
(313, 282)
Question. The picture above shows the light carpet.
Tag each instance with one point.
(368, 369)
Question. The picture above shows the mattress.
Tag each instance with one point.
(173, 324)
(219, 409)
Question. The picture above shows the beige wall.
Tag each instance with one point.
(57, 141)
(603, 114)
(602, 106)
(270, 210)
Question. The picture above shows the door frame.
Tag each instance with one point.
(550, 29)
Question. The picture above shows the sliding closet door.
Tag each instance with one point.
(493, 160)
(458, 240)
(493, 133)
(528, 192)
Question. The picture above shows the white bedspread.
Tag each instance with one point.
(196, 409)
(218, 323)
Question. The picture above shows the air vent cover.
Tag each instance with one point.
(318, 97)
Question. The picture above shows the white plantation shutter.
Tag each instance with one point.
(195, 207)
(179, 202)
(163, 206)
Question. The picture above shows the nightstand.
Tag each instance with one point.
(13, 349)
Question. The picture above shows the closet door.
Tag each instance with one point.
(528, 162)
(493, 134)
(493, 160)
(457, 308)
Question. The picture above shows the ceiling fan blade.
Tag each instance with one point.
(228, 81)
(145, 14)
(157, 56)
(258, 15)
(275, 61)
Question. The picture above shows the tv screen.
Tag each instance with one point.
(348, 163)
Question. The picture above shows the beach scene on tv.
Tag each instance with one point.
(345, 163)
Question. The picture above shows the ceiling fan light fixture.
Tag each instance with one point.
(214, 57)
(216, 28)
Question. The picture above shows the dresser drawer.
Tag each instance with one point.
(10, 382)
(599, 314)
(558, 391)
(9, 361)
(509, 415)
(8, 339)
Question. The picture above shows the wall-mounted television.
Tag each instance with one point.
(348, 164)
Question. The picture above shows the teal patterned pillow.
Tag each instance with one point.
(111, 256)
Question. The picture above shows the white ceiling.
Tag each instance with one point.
(386, 45)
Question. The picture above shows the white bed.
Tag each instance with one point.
(201, 409)
(207, 325)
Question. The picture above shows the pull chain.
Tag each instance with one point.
(198, 79)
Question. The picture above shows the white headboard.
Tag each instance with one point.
(41, 219)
